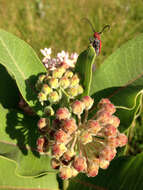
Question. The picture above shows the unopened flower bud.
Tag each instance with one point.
(42, 123)
(103, 117)
(115, 121)
(64, 82)
(59, 149)
(68, 155)
(49, 111)
(72, 92)
(88, 102)
(58, 73)
(63, 113)
(80, 163)
(110, 130)
(46, 89)
(80, 89)
(102, 102)
(68, 74)
(65, 172)
(92, 169)
(109, 108)
(54, 97)
(112, 142)
(42, 145)
(55, 163)
(74, 80)
(74, 172)
(42, 97)
(61, 136)
(41, 78)
(78, 107)
(108, 153)
(93, 126)
(85, 137)
(38, 85)
(122, 139)
(54, 83)
(69, 125)
(104, 164)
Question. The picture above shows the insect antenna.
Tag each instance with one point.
(86, 19)
(106, 26)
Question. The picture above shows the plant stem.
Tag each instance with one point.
(65, 184)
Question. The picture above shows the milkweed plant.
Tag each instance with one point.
(67, 121)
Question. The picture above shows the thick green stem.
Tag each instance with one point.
(65, 184)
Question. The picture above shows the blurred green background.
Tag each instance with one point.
(58, 24)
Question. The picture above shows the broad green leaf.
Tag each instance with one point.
(9, 180)
(18, 135)
(124, 67)
(7, 84)
(124, 173)
(127, 100)
(23, 64)
(84, 68)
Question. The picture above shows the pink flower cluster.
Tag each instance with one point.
(82, 145)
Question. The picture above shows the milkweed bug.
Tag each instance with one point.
(96, 40)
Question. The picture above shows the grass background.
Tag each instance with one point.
(58, 24)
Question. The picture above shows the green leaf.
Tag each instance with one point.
(124, 173)
(124, 67)
(7, 84)
(10, 181)
(18, 136)
(84, 68)
(23, 64)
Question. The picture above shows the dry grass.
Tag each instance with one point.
(58, 23)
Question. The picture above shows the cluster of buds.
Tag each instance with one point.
(60, 78)
(82, 145)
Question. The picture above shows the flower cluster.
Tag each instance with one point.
(81, 145)
(60, 79)
(62, 58)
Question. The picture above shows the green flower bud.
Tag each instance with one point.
(49, 111)
(54, 83)
(54, 97)
(41, 78)
(68, 74)
(64, 82)
(42, 97)
(72, 91)
(74, 80)
(58, 73)
(46, 89)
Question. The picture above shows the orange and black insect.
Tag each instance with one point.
(96, 39)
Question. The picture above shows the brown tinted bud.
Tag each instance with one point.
(55, 163)
(110, 130)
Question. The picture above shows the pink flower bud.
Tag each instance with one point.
(69, 125)
(63, 113)
(55, 163)
(88, 102)
(42, 123)
(65, 172)
(112, 142)
(58, 150)
(61, 136)
(104, 164)
(109, 108)
(93, 126)
(78, 107)
(102, 102)
(115, 121)
(85, 137)
(110, 130)
(41, 144)
(92, 169)
(108, 153)
(80, 163)
(68, 155)
(122, 139)
(103, 117)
